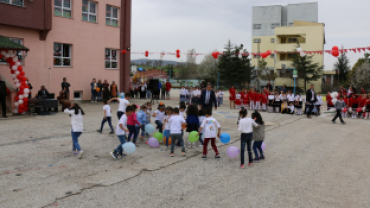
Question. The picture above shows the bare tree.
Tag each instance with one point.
(360, 77)
(264, 72)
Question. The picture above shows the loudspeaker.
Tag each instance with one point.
(153, 84)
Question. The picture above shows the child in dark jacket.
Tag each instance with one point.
(192, 120)
(258, 136)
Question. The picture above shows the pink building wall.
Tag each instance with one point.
(88, 40)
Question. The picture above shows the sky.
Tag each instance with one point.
(207, 25)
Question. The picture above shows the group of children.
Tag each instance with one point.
(354, 105)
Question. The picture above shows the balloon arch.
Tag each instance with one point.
(16, 69)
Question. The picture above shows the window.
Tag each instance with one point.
(88, 11)
(292, 40)
(77, 95)
(112, 16)
(257, 26)
(62, 8)
(62, 55)
(19, 53)
(272, 56)
(111, 59)
(13, 2)
(272, 40)
(273, 25)
(257, 40)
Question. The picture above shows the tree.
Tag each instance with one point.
(264, 73)
(234, 65)
(307, 70)
(360, 76)
(169, 70)
(208, 69)
(342, 65)
(181, 71)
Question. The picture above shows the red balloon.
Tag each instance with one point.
(178, 53)
(9, 60)
(24, 79)
(264, 55)
(21, 72)
(335, 48)
(20, 110)
(146, 53)
(21, 106)
(123, 51)
(19, 77)
(23, 83)
(21, 87)
(12, 71)
(20, 68)
(335, 53)
(359, 110)
(26, 109)
(269, 52)
(25, 100)
(344, 110)
(1, 56)
(16, 98)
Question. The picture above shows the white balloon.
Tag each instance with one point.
(20, 97)
(302, 53)
(16, 80)
(10, 54)
(20, 102)
(18, 64)
(299, 49)
(14, 76)
(18, 85)
(3, 53)
(15, 111)
(14, 67)
(16, 104)
(26, 90)
(15, 59)
(25, 95)
(6, 55)
(17, 72)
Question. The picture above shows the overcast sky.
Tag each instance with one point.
(206, 25)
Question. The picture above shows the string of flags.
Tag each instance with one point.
(335, 52)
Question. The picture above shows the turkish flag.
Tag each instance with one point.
(354, 50)
(359, 49)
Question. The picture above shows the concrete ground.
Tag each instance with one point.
(309, 163)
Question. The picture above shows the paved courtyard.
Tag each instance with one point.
(309, 163)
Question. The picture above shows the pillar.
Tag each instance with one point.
(125, 43)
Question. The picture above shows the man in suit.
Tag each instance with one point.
(207, 98)
(3, 94)
(43, 93)
(65, 88)
(310, 100)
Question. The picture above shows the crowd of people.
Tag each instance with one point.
(172, 121)
(103, 90)
(144, 90)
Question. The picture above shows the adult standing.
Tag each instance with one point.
(202, 85)
(106, 92)
(29, 87)
(208, 98)
(65, 88)
(284, 89)
(3, 94)
(93, 87)
(159, 88)
(168, 89)
(76, 113)
(143, 90)
(232, 92)
(311, 98)
(269, 86)
(148, 90)
(113, 90)
(100, 86)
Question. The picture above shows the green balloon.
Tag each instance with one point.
(158, 136)
(193, 136)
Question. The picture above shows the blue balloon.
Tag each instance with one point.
(129, 147)
(122, 95)
(225, 138)
(149, 128)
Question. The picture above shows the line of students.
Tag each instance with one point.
(355, 106)
(191, 95)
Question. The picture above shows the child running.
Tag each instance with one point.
(121, 130)
(133, 125)
(258, 136)
(176, 123)
(339, 105)
(76, 113)
(246, 129)
(107, 117)
(123, 103)
(167, 125)
(159, 116)
(212, 129)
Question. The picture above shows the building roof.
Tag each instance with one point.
(7, 44)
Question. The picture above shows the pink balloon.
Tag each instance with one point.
(153, 142)
(232, 151)
(263, 146)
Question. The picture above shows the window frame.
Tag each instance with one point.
(257, 40)
(272, 40)
(273, 25)
(62, 8)
(61, 57)
(111, 18)
(111, 58)
(11, 2)
(89, 13)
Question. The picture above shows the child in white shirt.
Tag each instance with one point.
(159, 116)
(121, 130)
(176, 123)
(318, 103)
(167, 125)
(107, 117)
(246, 128)
(212, 129)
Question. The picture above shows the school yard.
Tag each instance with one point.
(309, 163)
